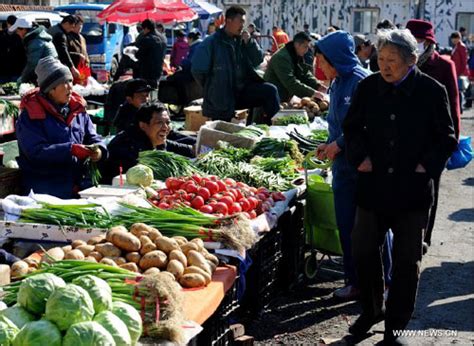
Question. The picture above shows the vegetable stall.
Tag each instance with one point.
(166, 256)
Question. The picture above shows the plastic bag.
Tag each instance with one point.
(462, 156)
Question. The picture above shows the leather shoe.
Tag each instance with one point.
(347, 293)
(363, 324)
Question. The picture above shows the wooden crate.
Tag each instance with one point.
(194, 118)
(10, 181)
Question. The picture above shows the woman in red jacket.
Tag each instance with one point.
(459, 57)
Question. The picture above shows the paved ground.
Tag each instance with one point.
(445, 303)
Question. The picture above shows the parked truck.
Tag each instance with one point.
(104, 40)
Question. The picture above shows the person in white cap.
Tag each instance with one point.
(56, 135)
(38, 44)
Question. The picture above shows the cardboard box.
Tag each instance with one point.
(35, 231)
(215, 131)
(194, 118)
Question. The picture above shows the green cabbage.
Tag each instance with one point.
(69, 305)
(130, 316)
(88, 334)
(38, 333)
(17, 315)
(140, 175)
(8, 331)
(115, 326)
(99, 291)
(35, 291)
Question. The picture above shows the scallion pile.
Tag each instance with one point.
(167, 164)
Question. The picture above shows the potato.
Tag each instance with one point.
(305, 101)
(192, 280)
(199, 243)
(151, 271)
(176, 268)
(147, 248)
(75, 254)
(130, 266)
(212, 266)
(109, 262)
(119, 260)
(97, 255)
(197, 270)
(171, 276)
(77, 243)
(153, 233)
(126, 241)
(212, 258)
(96, 240)
(180, 240)
(189, 246)
(180, 256)
(155, 258)
(323, 105)
(133, 257)
(204, 252)
(113, 231)
(144, 239)
(90, 259)
(32, 262)
(19, 268)
(166, 244)
(67, 248)
(86, 249)
(139, 229)
(315, 108)
(53, 254)
(198, 260)
(108, 250)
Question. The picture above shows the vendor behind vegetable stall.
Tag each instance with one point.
(56, 135)
(151, 132)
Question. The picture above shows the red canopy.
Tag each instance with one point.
(133, 11)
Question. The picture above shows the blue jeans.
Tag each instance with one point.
(344, 188)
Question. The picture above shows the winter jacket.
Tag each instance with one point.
(186, 63)
(281, 38)
(214, 67)
(125, 117)
(399, 127)
(45, 138)
(38, 44)
(179, 52)
(125, 148)
(443, 70)
(61, 44)
(12, 55)
(77, 48)
(151, 54)
(459, 57)
(290, 74)
(338, 47)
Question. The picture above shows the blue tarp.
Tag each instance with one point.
(203, 8)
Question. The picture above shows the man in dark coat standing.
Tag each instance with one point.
(151, 53)
(444, 71)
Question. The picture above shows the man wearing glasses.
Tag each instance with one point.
(151, 131)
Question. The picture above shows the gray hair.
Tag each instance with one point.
(402, 39)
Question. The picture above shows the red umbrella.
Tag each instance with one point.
(133, 11)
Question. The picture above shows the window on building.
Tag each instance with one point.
(364, 20)
(466, 20)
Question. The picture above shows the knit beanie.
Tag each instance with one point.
(51, 73)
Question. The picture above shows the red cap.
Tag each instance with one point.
(421, 29)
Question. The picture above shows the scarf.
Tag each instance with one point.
(426, 55)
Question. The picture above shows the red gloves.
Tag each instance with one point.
(80, 151)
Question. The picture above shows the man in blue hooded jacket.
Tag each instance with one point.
(335, 53)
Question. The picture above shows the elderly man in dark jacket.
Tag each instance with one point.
(151, 53)
(399, 135)
(224, 65)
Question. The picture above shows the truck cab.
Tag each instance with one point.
(104, 40)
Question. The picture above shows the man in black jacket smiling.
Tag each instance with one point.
(150, 132)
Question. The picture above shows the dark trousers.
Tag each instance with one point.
(434, 208)
(367, 240)
(263, 95)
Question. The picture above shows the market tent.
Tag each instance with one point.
(130, 12)
(203, 8)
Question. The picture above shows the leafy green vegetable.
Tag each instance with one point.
(35, 290)
(285, 166)
(165, 164)
(278, 147)
(8, 331)
(115, 326)
(98, 289)
(17, 315)
(140, 175)
(285, 120)
(88, 334)
(69, 305)
(250, 132)
(130, 317)
(38, 333)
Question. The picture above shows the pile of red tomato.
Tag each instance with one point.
(212, 195)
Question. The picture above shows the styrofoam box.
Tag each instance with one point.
(285, 112)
